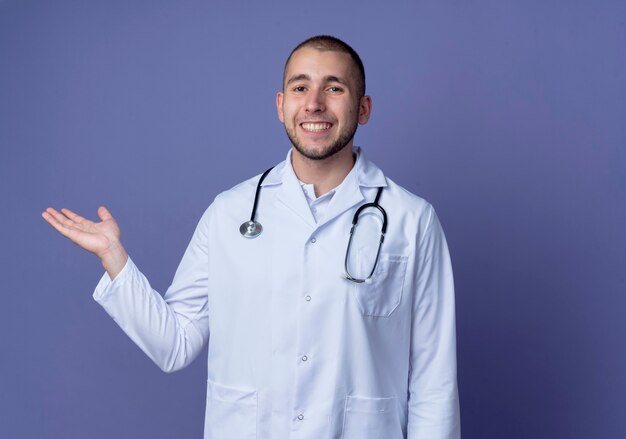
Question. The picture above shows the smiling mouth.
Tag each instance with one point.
(316, 127)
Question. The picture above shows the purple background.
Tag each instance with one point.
(508, 116)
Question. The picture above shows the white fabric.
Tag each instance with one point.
(295, 349)
(319, 204)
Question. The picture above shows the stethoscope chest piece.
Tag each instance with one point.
(253, 228)
(250, 229)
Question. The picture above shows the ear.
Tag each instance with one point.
(365, 109)
(279, 106)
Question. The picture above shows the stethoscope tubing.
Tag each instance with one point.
(252, 228)
(256, 194)
(383, 231)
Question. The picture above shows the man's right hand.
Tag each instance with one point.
(102, 239)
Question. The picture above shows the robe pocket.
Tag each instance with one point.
(382, 294)
(371, 418)
(230, 412)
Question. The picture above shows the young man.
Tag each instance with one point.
(314, 330)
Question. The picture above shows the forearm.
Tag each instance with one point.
(433, 394)
(172, 340)
(433, 407)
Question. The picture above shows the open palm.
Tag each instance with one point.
(98, 238)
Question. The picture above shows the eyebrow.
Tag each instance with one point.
(305, 77)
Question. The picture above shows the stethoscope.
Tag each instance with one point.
(252, 228)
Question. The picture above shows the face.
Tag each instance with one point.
(319, 105)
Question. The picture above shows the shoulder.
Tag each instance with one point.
(406, 210)
(246, 189)
(371, 177)
(237, 201)
(243, 190)
(403, 195)
(405, 203)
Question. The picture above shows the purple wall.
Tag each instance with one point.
(508, 116)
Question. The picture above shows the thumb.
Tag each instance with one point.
(104, 213)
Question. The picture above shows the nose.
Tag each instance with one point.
(315, 102)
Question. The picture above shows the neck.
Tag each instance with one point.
(324, 174)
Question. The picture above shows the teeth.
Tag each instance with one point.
(316, 127)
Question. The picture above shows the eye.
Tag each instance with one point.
(335, 89)
(299, 89)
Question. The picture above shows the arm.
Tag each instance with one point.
(170, 330)
(433, 395)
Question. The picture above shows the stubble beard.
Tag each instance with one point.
(344, 139)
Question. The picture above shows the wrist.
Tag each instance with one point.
(114, 259)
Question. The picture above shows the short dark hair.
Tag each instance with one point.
(334, 44)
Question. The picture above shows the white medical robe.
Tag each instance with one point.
(295, 349)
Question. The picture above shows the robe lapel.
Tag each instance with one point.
(292, 196)
(364, 175)
(348, 196)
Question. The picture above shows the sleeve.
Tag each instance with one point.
(171, 330)
(433, 406)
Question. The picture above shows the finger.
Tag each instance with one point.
(60, 218)
(104, 213)
(73, 216)
(50, 219)
(47, 217)
(50, 210)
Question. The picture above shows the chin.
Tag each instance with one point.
(319, 153)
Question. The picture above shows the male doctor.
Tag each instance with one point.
(314, 331)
